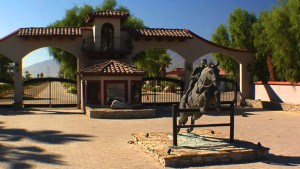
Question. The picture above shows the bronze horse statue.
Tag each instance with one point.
(205, 93)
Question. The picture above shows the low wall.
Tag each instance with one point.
(282, 92)
(107, 113)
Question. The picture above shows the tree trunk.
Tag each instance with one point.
(271, 67)
(163, 71)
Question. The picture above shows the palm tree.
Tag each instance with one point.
(164, 62)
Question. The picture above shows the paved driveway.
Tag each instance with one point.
(65, 138)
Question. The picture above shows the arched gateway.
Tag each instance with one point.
(91, 45)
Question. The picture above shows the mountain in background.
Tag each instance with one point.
(49, 68)
(178, 61)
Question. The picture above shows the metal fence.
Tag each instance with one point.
(228, 89)
(168, 91)
(161, 91)
(50, 92)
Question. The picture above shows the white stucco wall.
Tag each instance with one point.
(278, 93)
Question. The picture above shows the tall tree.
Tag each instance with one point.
(264, 67)
(227, 63)
(238, 35)
(277, 35)
(164, 61)
(240, 29)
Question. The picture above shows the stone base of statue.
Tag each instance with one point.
(203, 147)
(120, 110)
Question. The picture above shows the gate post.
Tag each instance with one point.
(231, 122)
(18, 85)
(235, 91)
(174, 115)
(83, 98)
(50, 94)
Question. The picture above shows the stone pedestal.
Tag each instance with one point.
(204, 147)
(107, 113)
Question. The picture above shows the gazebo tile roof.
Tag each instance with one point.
(50, 32)
(112, 68)
(107, 13)
(161, 33)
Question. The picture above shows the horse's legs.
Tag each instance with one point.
(205, 99)
(192, 124)
(182, 121)
(193, 119)
(217, 99)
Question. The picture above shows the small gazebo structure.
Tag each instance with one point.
(112, 80)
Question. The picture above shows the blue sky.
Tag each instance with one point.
(200, 16)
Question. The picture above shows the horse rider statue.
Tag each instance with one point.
(194, 78)
(203, 92)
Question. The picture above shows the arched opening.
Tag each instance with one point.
(6, 81)
(158, 62)
(49, 78)
(50, 62)
(107, 37)
(165, 73)
(39, 64)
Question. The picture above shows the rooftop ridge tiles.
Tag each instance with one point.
(113, 68)
(161, 33)
(49, 31)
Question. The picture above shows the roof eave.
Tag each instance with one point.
(109, 74)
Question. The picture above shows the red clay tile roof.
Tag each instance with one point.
(177, 72)
(112, 68)
(161, 33)
(50, 32)
(106, 14)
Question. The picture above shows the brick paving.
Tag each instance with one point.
(65, 138)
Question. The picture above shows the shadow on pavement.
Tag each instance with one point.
(283, 160)
(39, 111)
(23, 156)
(55, 112)
(12, 112)
(19, 157)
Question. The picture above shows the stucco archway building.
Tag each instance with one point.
(107, 40)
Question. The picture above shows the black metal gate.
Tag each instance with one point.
(6, 93)
(228, 89)
(168, 91)
(50, 92)
(161, 90)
